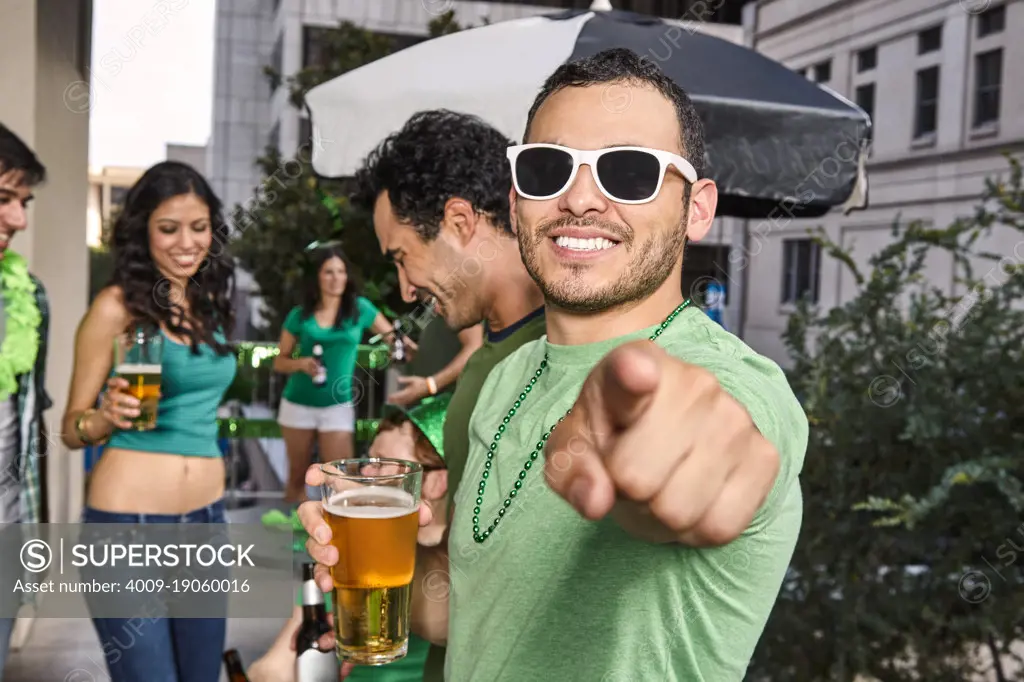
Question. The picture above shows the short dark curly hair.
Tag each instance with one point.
(437, 155)
(16, 157)
(619, 65)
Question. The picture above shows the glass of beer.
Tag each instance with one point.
(137, 359)
(372, 507)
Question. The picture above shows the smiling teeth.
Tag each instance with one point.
(576, 244)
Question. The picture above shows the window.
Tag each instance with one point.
(927, 108)
(305, 136)
(988, 77)
(801, 263)
(313, 40)
(929, 40)
(277, 62)
(118, 195)
(316, 43)
(867, 59)
(705, 263)
(822, 71)
(865, 99)
(274, 138)
(992, 21)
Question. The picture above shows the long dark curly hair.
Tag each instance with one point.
(348, 310)
(148, 295)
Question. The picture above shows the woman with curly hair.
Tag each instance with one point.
(333, 318)
(171, 275)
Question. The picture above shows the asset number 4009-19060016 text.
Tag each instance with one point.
(187, 585)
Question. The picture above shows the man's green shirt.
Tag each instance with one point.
(497, 346)
(552, 596)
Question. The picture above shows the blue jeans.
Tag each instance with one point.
(161, 649)
(6, 627)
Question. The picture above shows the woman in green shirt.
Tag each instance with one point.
(318, 400)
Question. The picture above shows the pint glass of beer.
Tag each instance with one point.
(137, 359)
(372, 507)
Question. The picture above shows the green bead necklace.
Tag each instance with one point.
(493, 450)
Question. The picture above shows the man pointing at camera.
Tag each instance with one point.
(631, 499)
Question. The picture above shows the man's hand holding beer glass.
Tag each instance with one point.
(323, 550)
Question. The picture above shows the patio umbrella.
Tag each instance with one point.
(777, 144)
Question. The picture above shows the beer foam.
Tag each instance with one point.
(399, 503)
(138, 368)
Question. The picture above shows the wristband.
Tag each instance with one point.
(80, 428)
(431, 385)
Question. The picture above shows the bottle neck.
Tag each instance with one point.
(314, 612)
(312, 597)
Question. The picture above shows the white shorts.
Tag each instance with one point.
(334, 418)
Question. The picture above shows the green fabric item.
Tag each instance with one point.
(233, 427)
(253, 354)
(438, 346)
(340, 348)
(407, 669)
(456, 426)
(428, 416)
(552, 596)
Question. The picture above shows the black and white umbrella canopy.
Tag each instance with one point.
(777, 144)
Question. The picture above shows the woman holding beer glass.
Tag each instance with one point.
(317, 402)
(165, 311)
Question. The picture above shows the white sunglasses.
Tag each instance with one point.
(626, 175)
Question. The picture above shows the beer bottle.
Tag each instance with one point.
(321, 374)
(398, 354)
(312, 664)
(233, 666)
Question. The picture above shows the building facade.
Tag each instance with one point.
(935, 77)
(193, 155)
(108, 187)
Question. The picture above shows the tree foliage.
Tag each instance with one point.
(906, 568)
(287, 211)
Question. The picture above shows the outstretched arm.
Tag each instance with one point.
(415, 387)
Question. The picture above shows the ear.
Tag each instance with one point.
(703, 204)
(461, 219)
(435, 484)
(512, 198)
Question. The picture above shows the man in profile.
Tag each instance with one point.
(438, 190)
(24, 324)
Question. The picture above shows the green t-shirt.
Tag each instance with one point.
(407, 669)
(496, 347)
(552, 596)
(341, 346)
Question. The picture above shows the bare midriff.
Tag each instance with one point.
(133, 482)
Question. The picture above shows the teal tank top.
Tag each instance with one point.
(191, 389)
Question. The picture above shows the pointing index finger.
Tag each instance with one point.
(628, 378)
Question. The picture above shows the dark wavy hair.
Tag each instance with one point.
(348, 310)
(437, 155)
(147, 293)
